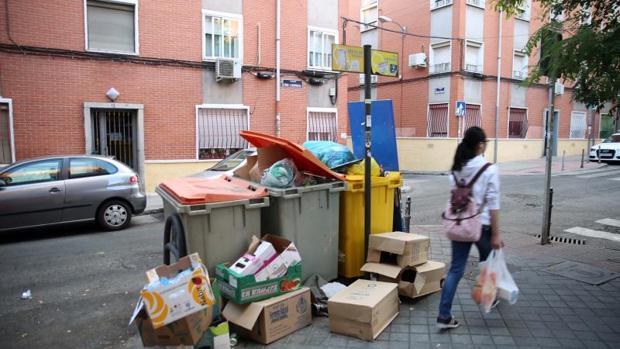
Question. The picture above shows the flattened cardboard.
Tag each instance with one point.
(405, 249)
(271, 319)
(391, 271)
(364, 309)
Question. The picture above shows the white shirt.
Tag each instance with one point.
(486, 188)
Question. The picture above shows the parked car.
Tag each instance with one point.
(228, 165)
(608, 151)
(63, 189)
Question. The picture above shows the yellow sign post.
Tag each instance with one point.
(351, 59)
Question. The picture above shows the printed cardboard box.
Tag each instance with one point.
(364, 309)
(177, 290)
(402, 249)
(245, 289)
(271, 319)
(412, 282)
(185, 331)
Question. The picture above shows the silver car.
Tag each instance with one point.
(63, 189)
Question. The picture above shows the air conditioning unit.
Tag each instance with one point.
(227, 69)
(373, 79)
(559, 88)
(417, 60)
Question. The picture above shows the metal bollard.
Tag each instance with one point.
(563, 155)
(407, 217)
(550, 209)
(583, 151)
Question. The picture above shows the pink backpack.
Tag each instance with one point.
(461, 219)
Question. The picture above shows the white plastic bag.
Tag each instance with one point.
(506, 287)
(485, 291)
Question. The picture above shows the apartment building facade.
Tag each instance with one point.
(453, 56)
(166, 86)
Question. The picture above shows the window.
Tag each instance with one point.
(578, 124)
(111, 26)
(524, 9)
(440, 3)
(438, 120)
(6, 132)
(473, 56)
(320, 48)
(322, 124)
(218, 130)
(519, 65)
(88, 167)
(33, 172)
(440, 57)
(369, 15)
(517, 123)
(472, 116)
(223, 35)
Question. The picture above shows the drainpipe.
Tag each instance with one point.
(278, 68)
(499, 72)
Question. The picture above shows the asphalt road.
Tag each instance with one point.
(85, 282)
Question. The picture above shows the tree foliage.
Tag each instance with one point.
(588, 54)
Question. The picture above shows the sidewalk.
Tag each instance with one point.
(537, 166)
(552, 311)
(154, 204)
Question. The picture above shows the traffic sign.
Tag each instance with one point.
(460, 108)
(351, 59)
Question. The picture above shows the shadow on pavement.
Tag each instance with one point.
(50, 232)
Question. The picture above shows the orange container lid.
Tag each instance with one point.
(194, 191)
(303, 158)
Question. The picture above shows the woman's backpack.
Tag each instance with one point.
(461, 219)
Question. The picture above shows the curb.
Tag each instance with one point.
(152, 212)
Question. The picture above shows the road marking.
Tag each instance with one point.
(593, 233)
(610, 222)
(603, 174)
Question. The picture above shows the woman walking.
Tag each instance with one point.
(470, 165)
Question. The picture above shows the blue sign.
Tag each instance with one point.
(460, 108)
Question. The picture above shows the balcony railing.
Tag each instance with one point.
(519, 74)
(440, 3)
(478, 3)
(474, 68)
(440, 68)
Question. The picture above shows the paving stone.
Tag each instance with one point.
(478, 330)
(503, 340)
(399, 337)
(571, 343)
(418, 328)
(481, 339)
(548, 342)
(461, 339)
(499, 331)
(399, 328)
(525, 341)
(419, 337)
(520, 331)
(398, 345)
(336, 340)
(596, 345)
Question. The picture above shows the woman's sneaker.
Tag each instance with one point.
(445, 324)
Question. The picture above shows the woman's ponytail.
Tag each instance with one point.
(466, 150)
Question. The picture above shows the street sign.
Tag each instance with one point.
(460, 108)
(351, 59)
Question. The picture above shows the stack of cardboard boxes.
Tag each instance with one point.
(399, 263)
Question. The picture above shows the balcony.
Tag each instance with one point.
(519, 74)
(440, 68)
(435, 4)
(474, 68)
(477, 3)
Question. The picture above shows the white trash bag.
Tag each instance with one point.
(506, 287)
(494, 281)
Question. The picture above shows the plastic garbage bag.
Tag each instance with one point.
(280, 175)
(485, 291)
(359, 168)
(506, 287)
(330, 153)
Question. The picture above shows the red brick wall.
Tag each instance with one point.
(49, 94)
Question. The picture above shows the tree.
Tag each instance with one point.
(588, 53)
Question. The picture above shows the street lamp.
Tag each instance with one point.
(403, 32)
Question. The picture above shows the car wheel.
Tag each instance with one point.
(114, 215)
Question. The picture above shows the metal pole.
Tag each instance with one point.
(563, 155)
(408, 214)
(544, 236)
(367, 138)
(583, 151)
(499, 73)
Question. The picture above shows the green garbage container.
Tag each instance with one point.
(310, 217)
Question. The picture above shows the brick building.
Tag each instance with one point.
(454, 57)
(165, 85)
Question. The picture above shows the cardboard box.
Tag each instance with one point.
(246, 289)
(402, 249)
(269, 320)
(412, 282)
(256, 165)
(364, 309)
(186, 331)
(251, 263)
(176, 291)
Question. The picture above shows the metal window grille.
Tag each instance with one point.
(322, 126)
(114, 131)
(517, 123)
(578, 125)
(5, 135)
(218, 132)
(438, 120)
(472, 117)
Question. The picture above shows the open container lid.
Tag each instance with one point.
(303, 158)
(194, 191)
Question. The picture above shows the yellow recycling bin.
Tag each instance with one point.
(351, 255)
